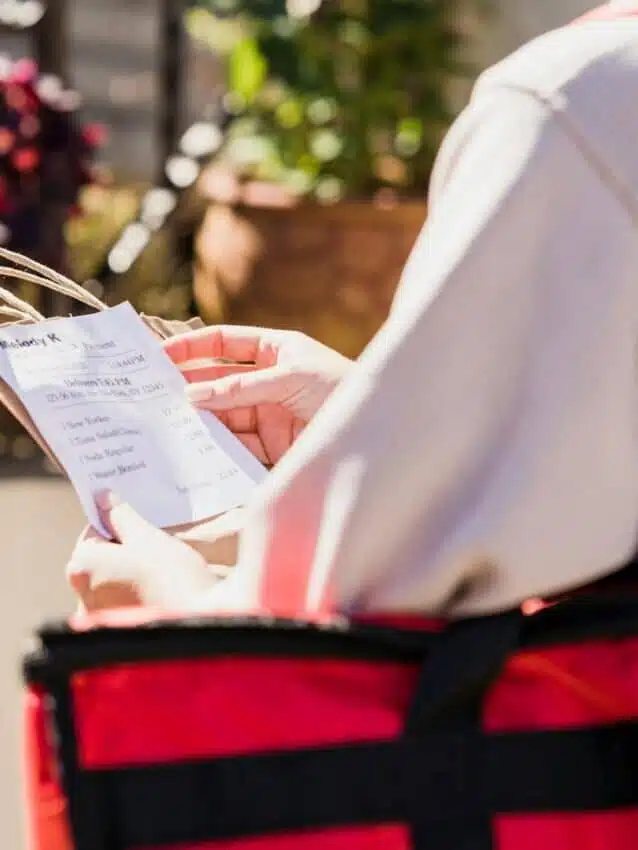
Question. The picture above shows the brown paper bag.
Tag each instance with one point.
(217, 544)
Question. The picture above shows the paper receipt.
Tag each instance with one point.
(111, 405)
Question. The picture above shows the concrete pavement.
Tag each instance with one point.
(39, 520)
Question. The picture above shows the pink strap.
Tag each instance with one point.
(608, 12)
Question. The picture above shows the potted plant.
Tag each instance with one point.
(318, 193)
(46, 158)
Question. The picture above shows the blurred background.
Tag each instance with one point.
(253, 161)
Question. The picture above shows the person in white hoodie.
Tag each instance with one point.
(484, 448)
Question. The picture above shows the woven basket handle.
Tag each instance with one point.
(17, 307)
(14, 314)
(42, 275)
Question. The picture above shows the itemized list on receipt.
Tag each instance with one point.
(111, 405)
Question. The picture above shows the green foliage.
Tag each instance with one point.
(156, 284)
(345, 101)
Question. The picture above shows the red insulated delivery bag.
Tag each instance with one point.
(513, 732)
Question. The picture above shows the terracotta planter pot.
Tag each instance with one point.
(330, 271)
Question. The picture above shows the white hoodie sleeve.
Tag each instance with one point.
(477, 455)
